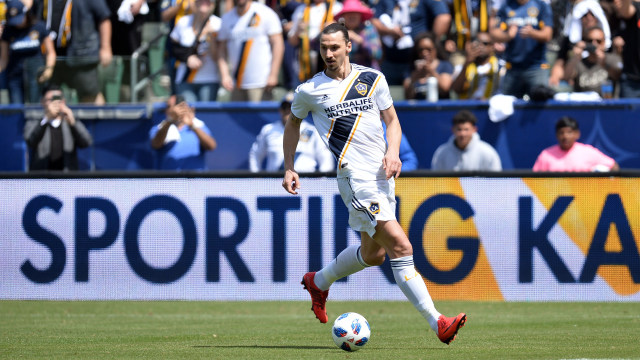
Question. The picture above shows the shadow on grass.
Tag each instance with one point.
(265, 347)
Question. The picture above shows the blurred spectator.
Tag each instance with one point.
(53, 140)
(465, 151)
(181, 140)
(629, 11)
(171, 12)
(250, 50)
(308, 20)
(571, 155)
(400, 22)
(525, 27)
(583, 15)
(311, 154)
(81, 31)
(427, 65)
(479, 76)
(470, 18)
(21, 56)
(289, 69)
(3, 20)
(406, 154)
(194, 46)
(366, 48)
(598, 70)
(127, 18)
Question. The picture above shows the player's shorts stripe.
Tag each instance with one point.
(358, 206)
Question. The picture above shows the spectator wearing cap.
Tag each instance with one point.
(21, 56)
(181, 140)
(366, 48)
(53, 141)
(311, 154)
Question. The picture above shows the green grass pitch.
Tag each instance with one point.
(288, 330)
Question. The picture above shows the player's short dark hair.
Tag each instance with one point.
(567, 121)
(464, 116)
(334, 28)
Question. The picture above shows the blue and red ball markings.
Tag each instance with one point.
(356, 326)
(345, 346)
(339, 332)
(362, 342)
(342, 316)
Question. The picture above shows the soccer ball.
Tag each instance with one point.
(351, 331)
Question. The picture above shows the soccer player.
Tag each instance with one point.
(347, 101)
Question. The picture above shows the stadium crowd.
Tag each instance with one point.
(427, 49)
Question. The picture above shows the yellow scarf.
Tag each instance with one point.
(462, 18)
(473, 81)
(305, 46)
(65, 24)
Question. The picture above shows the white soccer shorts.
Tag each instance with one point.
(368, 201)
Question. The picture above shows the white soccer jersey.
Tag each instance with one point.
(248, 47)
(185, 35)
(311, 153)
(347, 116)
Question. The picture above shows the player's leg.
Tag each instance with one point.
(350, 260)
(391, 237)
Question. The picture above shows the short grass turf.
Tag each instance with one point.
(288, 330)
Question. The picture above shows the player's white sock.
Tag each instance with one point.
(349, 261)
(414, 288)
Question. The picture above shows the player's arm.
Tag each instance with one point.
(391, 162)
(291, 137)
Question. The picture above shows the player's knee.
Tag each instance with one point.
(373, 259)
(401, 249)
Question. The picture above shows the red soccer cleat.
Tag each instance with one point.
(318, 297)
(448, 327)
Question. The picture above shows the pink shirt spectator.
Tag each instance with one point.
(581, 157)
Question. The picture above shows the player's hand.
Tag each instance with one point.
(291, 182)
(392, 166)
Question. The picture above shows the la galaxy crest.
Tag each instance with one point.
(374, 208)
(361, 88)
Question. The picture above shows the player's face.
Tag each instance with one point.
(567, 137)
(334, 50)
(463, 134)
